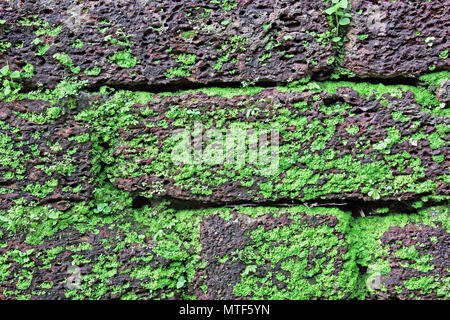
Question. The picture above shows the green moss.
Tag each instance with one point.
(421, 262)
(306, 255)
(436, 78)
(435, 141)
(95, 71)
(124, 59)
(366, 234)
(313, 259)
(372, 177)
(4, 46)
(187, 61)
(42, 49)
(78, 44)
(175, 235)
(225, 4)
(424, 284)
(229, 49)
(10, 81)
(222, 92)
(65, 60)
(439, 158)
(52, 31)
(188, 35)
(399, 116)
(423, 96)
(352, 130)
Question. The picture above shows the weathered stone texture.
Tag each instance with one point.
(426, 274)
(398, 38)
(281, 253)
(159, 42)
(331, 146)
(240, 253)
(239, 249)
(406, 256)
(41, 158)
(102, 198)
(443, 92)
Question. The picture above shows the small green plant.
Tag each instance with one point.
(187, 61)
(50, 31)
(352, 129)
(95, 71)
(66, 61)
(8, 80)
(249, 83)
(4, 46)
(226, 4)
(188, 35)
(362, 37)
(124, 59)
(78, 44)
(42, 49)
(265, 56)
(338, 16)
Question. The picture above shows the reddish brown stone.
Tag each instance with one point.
(169, 41)
(398, 38)
(41, 161)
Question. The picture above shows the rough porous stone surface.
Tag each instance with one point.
(398, 38)
(240, 253)
(331, 146)
(247, 257)
(159, 42)
(41, 159)
(406, 257)
(411, 274)
(224, 149)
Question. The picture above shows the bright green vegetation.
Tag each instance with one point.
(124, 59)
(186, 61)
(78, 44)
(374, 178)
(52, 31)
(178, 243)
(106, 119)
(228, 49)
(95, 71)
(314, 254)
(444, 54)
(312, 261)
(9, 80)
(142, 250)
(339, 15)
(4, 46)
(174, 235)
(66, 61)
(43, 49)
(366, 234)
(221, 92)
(423, 96)
(436, 78)
(339, 18)
(225, 4)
